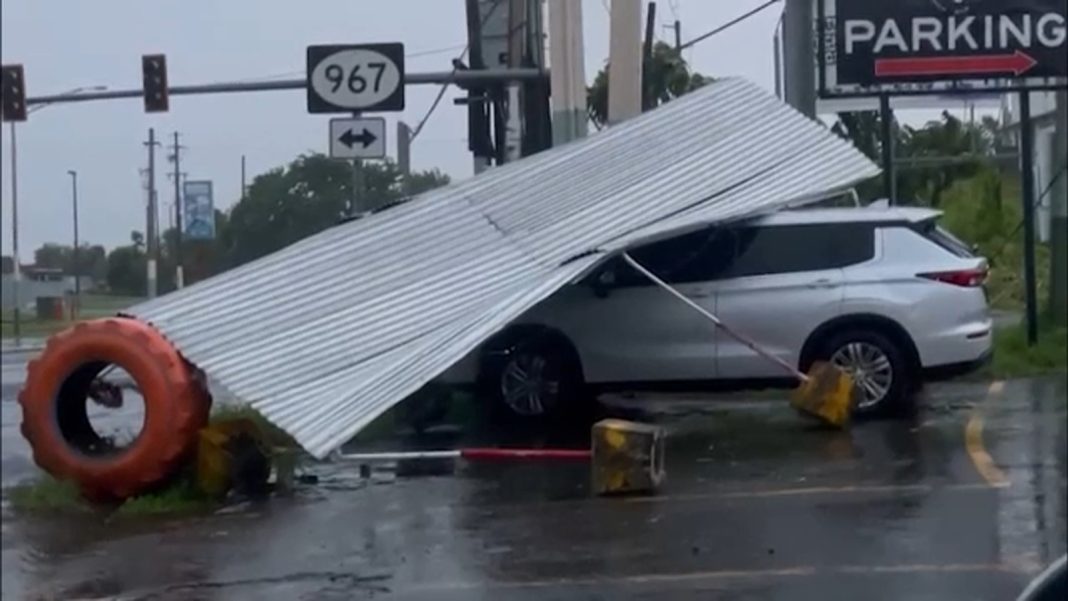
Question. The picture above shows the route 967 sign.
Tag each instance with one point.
(931, 46)
(355, 77)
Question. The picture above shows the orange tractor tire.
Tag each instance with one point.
(56, 423)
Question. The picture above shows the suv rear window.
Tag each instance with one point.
(798, 248)
(942, 237)
(726, 252)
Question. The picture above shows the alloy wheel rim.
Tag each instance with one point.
(529, 386)
(870, 368)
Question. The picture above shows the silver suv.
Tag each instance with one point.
(885, 293)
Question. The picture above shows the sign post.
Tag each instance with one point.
(351, 79)
(358, 138)
(929, 47)
(872, 47)
(1027, 192)
(355, 77)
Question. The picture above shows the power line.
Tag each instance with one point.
(289, 74)
(452, 48)
(673, 5)
(445, 86)
(728, 24)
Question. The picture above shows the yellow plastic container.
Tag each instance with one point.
(829, 395)
(214, 462)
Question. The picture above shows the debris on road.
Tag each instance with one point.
(628, 457)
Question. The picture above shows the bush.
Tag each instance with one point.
(985, 210)
(1013, 358)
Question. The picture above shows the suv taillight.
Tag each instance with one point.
(966, 278)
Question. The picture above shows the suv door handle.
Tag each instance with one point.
(823, 283)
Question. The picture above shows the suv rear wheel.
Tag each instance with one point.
(879, 367)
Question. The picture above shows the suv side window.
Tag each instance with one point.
(695, 257)
(797, 248)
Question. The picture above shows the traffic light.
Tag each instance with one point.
(13, 90)
(154, 70)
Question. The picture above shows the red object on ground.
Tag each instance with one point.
(56, 424)
(489, 454)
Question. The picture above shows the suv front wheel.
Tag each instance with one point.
(879, 367)
(533, 378)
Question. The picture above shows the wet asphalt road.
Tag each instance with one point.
(964, 501)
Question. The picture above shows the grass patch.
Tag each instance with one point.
(30, 328)
(1013, 358)
(47, 495)
(179, 498)
(94, 306)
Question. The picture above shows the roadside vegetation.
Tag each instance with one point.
(93, 306)
(181, 496)
(1013, 358)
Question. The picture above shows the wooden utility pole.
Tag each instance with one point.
(179, 275)
(151, 239)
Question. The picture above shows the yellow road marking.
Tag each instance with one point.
(682, 577)
(973, 441)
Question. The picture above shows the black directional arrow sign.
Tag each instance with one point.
(358, 138)
(365, 138)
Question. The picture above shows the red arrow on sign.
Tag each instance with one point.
(1018, 63)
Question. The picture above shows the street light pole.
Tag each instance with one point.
(17, 270)
(75, 309)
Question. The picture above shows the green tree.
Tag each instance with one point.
(665, 77)
(126, 271)
(92, 259)
(305, 197)
(929, 158)
(52, 256)
(968, 147)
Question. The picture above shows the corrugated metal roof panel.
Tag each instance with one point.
(325, 335)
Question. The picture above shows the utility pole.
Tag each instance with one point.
(624, 60)
(1027, 193)
(678, 37)
(648, 101)
(179, 275)
(799, 53)
(358, 199)
(886, 134)
(75, 308)
(1058, 238)
(568, 75)
(151, 242)
(776, 51)
(513, 126)
(244, 186)
(16, 268)
(404, 153)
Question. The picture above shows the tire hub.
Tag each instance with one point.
(870, 368)
(530, 384)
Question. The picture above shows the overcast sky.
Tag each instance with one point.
(66, 44)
